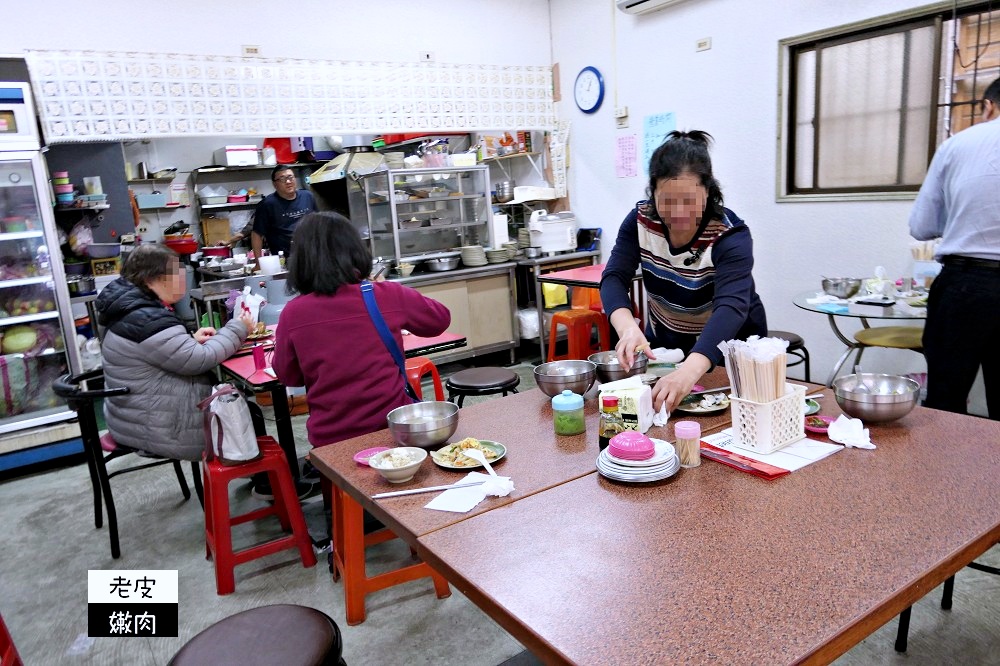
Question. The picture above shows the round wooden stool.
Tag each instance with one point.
(796, 348)
(279, 634)
(481, 381)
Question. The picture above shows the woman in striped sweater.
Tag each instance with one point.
(696, 258)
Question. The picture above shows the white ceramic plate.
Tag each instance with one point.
(664, 453)
(811, 407)
(496, 447)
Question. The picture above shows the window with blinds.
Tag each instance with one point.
(866, 107)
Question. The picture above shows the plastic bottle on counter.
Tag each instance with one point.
(281, 258)
(567, 413)
(611, 422)
(688, 442)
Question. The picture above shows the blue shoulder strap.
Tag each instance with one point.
(368, 294)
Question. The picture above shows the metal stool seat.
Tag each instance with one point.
(796, 348)
(481, 381)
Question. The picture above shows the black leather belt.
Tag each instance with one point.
(959, 261)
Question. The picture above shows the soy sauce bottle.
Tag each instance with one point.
(611, 422)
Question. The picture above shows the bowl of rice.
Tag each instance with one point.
(398, 465)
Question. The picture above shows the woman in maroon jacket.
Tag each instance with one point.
(328, 343)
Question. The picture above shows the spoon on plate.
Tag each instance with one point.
(478, 456)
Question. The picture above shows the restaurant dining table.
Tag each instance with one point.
(713, 564)
(585, 276)
(414, 345)
(899, 314)
(537, 459)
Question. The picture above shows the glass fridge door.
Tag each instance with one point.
(32, 321)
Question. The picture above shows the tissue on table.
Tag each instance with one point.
(462, 500)
(635, 402)
(850, 432)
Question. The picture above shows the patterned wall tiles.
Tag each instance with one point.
(93, 96)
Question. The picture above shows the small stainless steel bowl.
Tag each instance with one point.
(889, 397)
(557, 376)
(423, 424)
(609, 369)
(841, 287)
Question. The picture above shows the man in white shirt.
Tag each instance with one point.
(959, 202)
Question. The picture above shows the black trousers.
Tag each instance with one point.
(962, 334)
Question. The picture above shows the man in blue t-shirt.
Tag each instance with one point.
(277, 215)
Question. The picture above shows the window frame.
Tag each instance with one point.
(933, 15)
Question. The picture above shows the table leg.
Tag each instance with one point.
(851, 345)
(283, 424)
(540, 306)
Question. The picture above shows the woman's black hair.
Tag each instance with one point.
(680, 153)
(147, 262)
(327, 252)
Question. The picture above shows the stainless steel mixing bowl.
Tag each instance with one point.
(876, 398)
(557, 376)
(423, 424)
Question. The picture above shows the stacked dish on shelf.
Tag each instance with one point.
(473, 255)
(496, 255)
(634, 458)
(523, 238)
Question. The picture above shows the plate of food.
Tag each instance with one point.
(450, 456)
(260, 332)
(705, 403)
(811, 407)
(819, 423)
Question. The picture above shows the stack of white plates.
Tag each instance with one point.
(496, 255)
(662, 465)
(523, 238)
(473, 255)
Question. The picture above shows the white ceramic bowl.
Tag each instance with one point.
(398, 474)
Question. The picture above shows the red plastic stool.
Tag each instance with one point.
(417, 367)
(219, 522)
(578, 325)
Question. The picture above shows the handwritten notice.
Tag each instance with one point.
(625, 156)
(654, 130)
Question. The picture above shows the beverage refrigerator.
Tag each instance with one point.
(37, 330)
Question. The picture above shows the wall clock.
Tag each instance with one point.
(588, 91)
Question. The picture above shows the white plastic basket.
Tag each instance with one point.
(767, 426)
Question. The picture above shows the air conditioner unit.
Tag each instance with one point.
(643, 6)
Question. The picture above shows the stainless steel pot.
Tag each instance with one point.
(81, 285)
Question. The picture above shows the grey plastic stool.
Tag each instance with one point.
(281, 634)
(481, 381)
(796, 348)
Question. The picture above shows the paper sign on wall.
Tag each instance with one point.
(625, 156)
(654, 129)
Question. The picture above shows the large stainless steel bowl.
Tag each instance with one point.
(887, 398)
(423, 424)
(557, 376)
(609, 369)
(442, 264)
(841, 287)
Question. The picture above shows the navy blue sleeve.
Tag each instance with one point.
(261, 216)
(620, 269)
(732, 256)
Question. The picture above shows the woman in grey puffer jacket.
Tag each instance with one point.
(147, 348)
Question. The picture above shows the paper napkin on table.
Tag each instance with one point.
(850, 432)
(463, 500)
(833, 308)
(821, 297)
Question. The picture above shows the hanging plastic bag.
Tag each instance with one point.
(229, 432)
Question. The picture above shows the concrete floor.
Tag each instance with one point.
(49, 542)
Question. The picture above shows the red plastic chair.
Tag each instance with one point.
(579, 323)
(8, 653)
(416, 368)
(219, 521)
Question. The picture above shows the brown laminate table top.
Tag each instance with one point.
(719, 566)
(536, 458)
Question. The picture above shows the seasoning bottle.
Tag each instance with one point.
(688, 444)
(567, 413)
(281, 258)
(611, 421)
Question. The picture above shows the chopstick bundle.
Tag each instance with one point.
(756, 367)
(924, 251)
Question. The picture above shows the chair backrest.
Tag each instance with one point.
(8, 653)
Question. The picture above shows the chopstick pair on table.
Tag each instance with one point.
(428, 489)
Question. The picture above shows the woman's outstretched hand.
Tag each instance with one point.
(631, 343)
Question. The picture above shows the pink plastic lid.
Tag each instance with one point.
(631, 445)
(687, 430)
